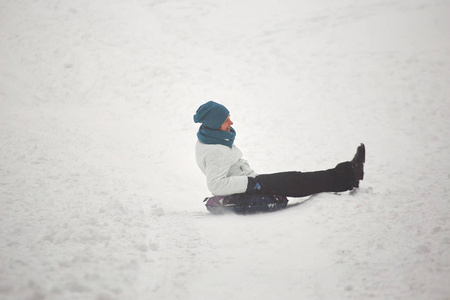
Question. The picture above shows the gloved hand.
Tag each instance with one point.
(253, 186)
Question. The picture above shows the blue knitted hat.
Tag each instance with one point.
(211, 114)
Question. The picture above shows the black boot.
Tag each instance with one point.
(358, 165)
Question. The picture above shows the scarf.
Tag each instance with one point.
(210, 136)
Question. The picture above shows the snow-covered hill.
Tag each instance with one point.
(100, 196)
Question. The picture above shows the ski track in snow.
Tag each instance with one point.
(100, 196)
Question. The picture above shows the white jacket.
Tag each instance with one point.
(226, 172)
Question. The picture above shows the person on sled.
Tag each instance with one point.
(227, 173)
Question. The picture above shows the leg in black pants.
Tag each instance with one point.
(344, 177)
(299, 184)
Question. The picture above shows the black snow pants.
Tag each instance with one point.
(300, 184)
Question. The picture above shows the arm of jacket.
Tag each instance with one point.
(226, 172)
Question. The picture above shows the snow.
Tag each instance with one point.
(100, 195)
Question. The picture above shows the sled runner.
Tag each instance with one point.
(244, 204)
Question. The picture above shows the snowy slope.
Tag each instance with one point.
(100, 196)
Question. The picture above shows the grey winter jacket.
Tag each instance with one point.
(226, 172)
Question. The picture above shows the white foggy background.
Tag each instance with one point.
(100, 195)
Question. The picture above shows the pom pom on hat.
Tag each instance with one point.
(211, 114)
